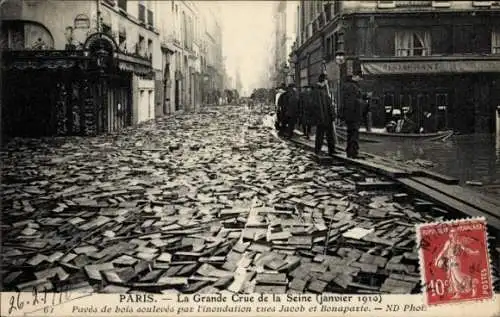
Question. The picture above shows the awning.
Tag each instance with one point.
(430, 67)
(137, 65)
(47, 64)
(46, 59)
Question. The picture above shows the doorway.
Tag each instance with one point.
(166, 94)
(177, 95)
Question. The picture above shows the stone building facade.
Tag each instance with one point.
(450, 69)
(77, 67)
(94, 66)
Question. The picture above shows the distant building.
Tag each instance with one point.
(280, 57)
(238, 85)
(212, 61)
(284, 14)
(438, 57)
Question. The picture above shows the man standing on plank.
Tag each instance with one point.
(324, 116)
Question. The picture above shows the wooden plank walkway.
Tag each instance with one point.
(477, 200)
(440, 189)
(449, 201)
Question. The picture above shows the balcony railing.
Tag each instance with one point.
(142, 13)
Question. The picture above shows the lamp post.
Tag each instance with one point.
(339, 60)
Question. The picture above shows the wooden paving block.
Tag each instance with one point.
(272, 279)
(380, 185)
(317, 286)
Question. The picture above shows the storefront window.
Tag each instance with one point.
(413, 43)
(495, 41)
(388, 102)
(405, 103)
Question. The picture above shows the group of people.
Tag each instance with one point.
(314, 107)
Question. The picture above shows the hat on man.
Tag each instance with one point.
(321, 78)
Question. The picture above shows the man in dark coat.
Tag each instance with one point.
(280, 108)
(323, 115)
(291, 110)
(305, 106)
(353, 113)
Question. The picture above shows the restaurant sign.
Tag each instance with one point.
(430, 67)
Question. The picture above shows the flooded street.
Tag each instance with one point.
(473, 158)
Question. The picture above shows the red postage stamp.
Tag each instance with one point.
(454, 261)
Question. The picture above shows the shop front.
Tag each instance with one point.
(458, 94)
(83, 91)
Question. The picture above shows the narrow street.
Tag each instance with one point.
(200, 202)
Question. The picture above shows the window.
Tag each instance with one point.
(142, 13)
(441, 4)
(388, 105)
(327, 46)
(150, 18)
(386, 4)
(150, 48)
(328, 11)
(122, 4)
(441, 101)
(184, 30)
(333, 45)
(481, 3)
(336, 7)
(413, 3)
(319, 7)
(495, 41)
(106, 29)
(310, 5)
(413, 43)
(405, 103)
(140, 45)
(122, 41)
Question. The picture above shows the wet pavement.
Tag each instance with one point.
(204, 202)
(473, 159)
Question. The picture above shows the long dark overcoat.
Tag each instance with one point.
(322, 113)
(352, 102)
(306, 108)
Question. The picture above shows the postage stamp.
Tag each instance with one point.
(454, 261)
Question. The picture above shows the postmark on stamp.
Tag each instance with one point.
(454, 261)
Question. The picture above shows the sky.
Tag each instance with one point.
(247, 39)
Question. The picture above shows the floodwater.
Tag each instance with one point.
(470, 158)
